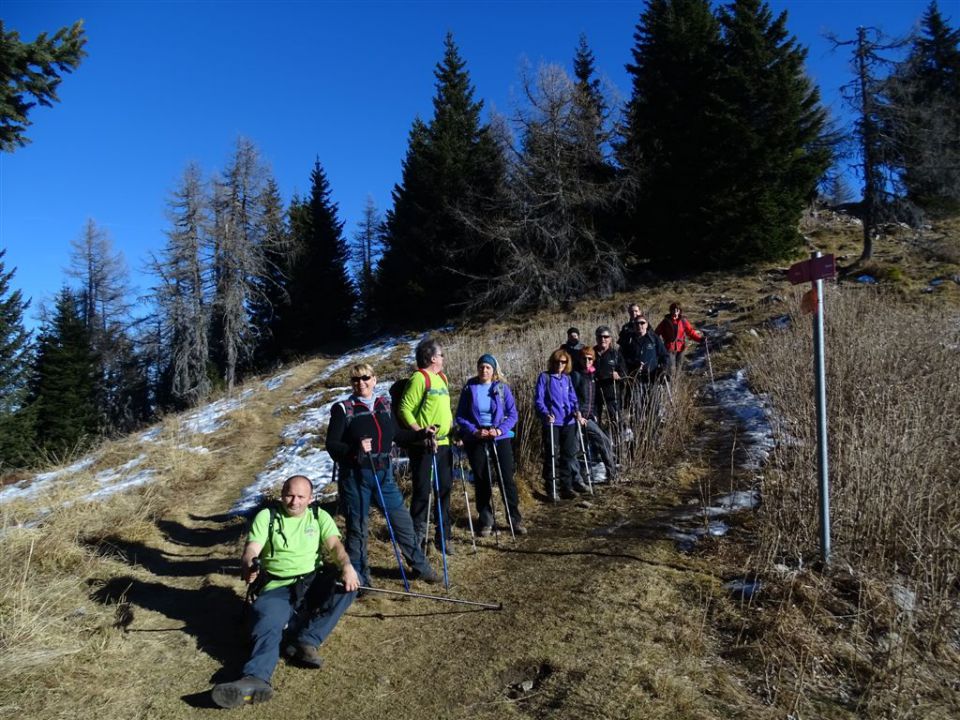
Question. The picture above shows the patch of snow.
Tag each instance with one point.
(276, 381)
(140, 478)
(739, 500)
(210, 418)
(752, 415)
(32, 486)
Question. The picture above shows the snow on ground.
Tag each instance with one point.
(202, 421)
(299, 456)
(752, 415)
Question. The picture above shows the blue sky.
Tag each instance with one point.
(167, 83)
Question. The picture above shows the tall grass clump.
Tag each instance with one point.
(894, 423)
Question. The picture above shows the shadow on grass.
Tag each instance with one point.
(213, 615)
(165, 564)
(229, 531)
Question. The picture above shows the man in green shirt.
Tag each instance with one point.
(426, 404)
(284, 552)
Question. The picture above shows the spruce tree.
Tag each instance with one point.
(366, 250)
(322, 298)
(15, 423)
(271, 299)
(772, 155)
(63, 387)
(32, 70)
(453, 168)
(671, 139)
(923, 115)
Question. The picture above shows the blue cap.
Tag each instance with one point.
(488, 359)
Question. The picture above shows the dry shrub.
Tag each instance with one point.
(894, 430)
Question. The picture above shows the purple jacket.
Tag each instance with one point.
(502, 404)
(555, 396)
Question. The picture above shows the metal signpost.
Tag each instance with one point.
(814, 271)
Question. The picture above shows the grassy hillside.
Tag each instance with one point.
(616, 606)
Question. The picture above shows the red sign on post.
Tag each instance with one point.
(813, 269)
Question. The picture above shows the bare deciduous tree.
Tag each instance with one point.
(548, 245)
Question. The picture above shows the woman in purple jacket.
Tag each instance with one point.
(556, 404)
(486, 415)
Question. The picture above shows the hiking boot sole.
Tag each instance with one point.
(232, 695)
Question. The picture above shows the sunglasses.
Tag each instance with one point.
(606, 337)
(358, 378)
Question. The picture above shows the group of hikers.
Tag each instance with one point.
(301, 575)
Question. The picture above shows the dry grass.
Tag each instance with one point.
(885, 616)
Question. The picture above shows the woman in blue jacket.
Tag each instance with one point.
(557, 407)
(486, 416)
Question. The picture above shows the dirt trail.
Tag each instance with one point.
(602, 617)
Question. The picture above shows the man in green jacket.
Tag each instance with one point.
(426, 404)
(297, 590)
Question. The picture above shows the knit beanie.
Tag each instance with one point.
(488, 359)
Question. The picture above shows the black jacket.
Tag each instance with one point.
(607, 363)
(647, 354)
(351, 421)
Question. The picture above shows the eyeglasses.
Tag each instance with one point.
(587, 358)
(561, 362)
(358, 378)
(606, 337)
(641, 322)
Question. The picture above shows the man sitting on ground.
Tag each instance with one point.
(284, 557)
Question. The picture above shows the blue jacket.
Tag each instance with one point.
(555, 396)
(502, 404)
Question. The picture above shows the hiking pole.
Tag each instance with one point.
(493, 502)
(386, 516)
(615, 424)
(440, 524)
(583, 452)
(553, 466)
(424, 596)
(466, 499)
(503, 488)
(706, 345)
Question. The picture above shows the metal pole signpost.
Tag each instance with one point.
(814, 271)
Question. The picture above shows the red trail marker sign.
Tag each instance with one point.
(818, 268)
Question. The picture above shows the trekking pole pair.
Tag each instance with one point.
(386, 515)
(553, 466)
(503, 490)
(583, 452)
(442, 526)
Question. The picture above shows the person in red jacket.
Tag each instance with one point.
(675, 329)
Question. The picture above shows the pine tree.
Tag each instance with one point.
(322, 297)
(104, 307)
(670, 139)
(876, 148)
(240, 242)
(453, 167)
(773, 153)
(271, 298)
(366, 250)
(182, 298)
(15, 423)
(923, 115)
(33, 70)
(63, 391)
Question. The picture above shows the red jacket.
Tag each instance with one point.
(674, 333)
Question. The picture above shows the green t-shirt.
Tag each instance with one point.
(293, 549)
(434, 411)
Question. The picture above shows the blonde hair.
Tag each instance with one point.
(362, 369)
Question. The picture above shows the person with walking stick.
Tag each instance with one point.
(675, 329)
(359, 438)
(425, 403)
(486, 416)
(556, 405)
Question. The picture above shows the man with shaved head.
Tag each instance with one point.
(284, 560)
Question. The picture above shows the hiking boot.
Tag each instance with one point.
(429, 576)
(519, 528)
(567, 494)
(248, 689)
(486, 531)
(449, 546)
(580, 488)
(307, 654)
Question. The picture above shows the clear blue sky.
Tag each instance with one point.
(167, 83)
